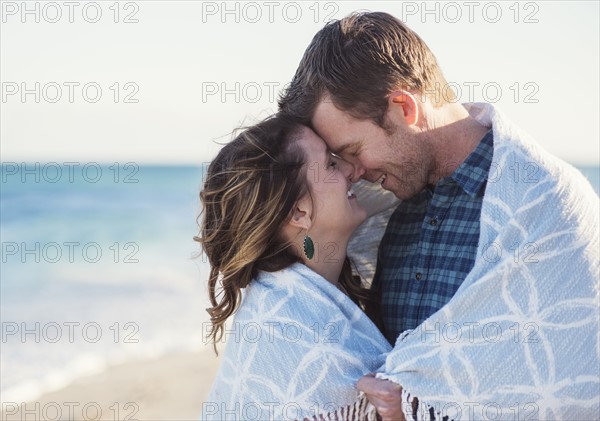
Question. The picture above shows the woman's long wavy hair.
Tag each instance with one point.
(250, 190)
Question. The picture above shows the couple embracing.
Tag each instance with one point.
(452, 323)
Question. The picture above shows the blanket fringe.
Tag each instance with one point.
(360, 410)
(418, 412)
(363, 410)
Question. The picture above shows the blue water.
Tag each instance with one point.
(105, 268)
(142, 297)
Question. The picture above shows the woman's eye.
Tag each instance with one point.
(332, 164)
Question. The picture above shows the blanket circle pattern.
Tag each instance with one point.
(520, 338)
(295, 350)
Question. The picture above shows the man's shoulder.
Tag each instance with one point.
(537, 188)
(523, 165)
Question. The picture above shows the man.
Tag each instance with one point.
(372, 89)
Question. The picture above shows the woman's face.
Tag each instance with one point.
(335, 210)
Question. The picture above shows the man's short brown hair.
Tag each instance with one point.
(357, 62)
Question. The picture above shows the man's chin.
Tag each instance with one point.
(399, 192)
(390, 185)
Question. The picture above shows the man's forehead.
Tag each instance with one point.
(328, 118)
(327, 104)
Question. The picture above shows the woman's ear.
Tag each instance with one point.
(301, 214)
(402, 105)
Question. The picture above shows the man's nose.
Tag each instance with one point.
(359, 171)
(354, 171)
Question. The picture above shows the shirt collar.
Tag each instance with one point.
(473, 173)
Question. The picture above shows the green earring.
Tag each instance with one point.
(309, 247)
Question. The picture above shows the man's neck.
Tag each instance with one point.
(454, 134)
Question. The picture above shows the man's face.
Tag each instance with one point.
(400, 161)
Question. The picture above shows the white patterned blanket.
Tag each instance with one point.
(295, 350)
(520, 339)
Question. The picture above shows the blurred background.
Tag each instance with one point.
(110, 112)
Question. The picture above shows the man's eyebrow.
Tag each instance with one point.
(345, 146)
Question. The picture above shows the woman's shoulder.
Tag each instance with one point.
(280, 305)
(288, 289)
(297, 338)
(297, 301)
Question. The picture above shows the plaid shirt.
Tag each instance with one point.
(430, 244)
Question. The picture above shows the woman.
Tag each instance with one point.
(278, 212)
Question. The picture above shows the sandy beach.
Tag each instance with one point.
(172, 387)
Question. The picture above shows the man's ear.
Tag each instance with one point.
(405, 106)
(301, 214)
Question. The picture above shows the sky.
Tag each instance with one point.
(157, 82)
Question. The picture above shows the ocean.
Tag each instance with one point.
(98, 268)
